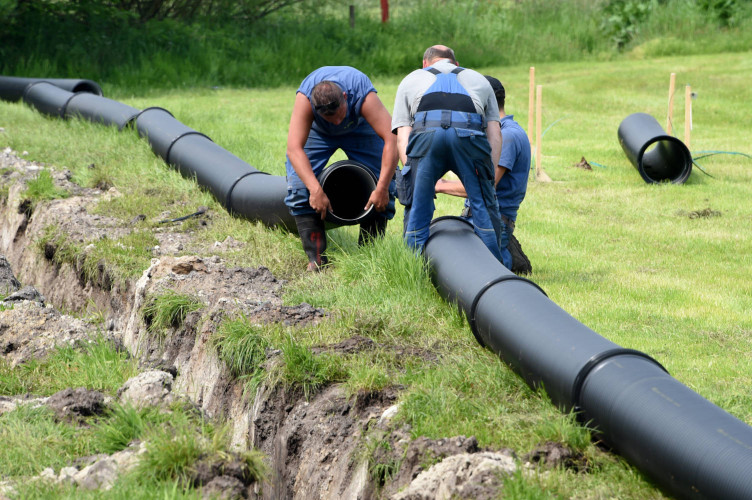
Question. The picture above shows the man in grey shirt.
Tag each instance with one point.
(446, 118)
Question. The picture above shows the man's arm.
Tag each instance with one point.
(403, 136)
(378, 117)
(493, 132)
(300, 126)
(455, 188)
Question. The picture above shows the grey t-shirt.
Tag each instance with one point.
(414, 85)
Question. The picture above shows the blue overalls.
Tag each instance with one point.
(448, 134)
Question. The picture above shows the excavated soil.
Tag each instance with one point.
(314, 447)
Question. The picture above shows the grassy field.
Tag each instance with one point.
(664, 269)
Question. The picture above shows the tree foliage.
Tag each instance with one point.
(146, 10)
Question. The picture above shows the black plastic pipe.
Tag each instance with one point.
(658, 157)
(12, 87)
(98, 109)
(47, 98)
(691, 447)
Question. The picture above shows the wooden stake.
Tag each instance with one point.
(687, 114)
(540, 175)
(531, 105)
(670, 115)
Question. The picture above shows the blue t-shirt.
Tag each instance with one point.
(515, 156)
(353, 82)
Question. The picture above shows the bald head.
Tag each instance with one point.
(436, 52)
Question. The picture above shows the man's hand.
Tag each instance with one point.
(379, 200)
(319, 201)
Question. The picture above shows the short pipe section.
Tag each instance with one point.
(47, 98)
(162, 131)
(658, 157)
(348, 185)
(12, 87)
(98, 109)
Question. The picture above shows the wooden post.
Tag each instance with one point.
(540, 175)
(687, 115)
(670, 115)
(352, 16)
(531, 105)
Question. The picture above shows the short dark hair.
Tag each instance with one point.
(498, 89)
(436, 53)
(326, 97)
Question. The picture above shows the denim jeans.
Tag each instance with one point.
(431, 153)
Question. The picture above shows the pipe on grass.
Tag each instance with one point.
(691, 447)
(12, 87)
(658, 157)
(98, 109)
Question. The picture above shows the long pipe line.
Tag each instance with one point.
(688, 445)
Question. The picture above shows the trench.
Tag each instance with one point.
(312, 446)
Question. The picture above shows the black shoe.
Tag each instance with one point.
(313, 237)
(520, 263)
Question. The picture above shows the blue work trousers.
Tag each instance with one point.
(362, 144)
(431, 153)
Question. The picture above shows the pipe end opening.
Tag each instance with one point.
(348, 185)
(665, 159)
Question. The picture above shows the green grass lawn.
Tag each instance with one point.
(647, 266)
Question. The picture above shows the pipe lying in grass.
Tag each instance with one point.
(12, 87)
(689, 446)
(658, 157)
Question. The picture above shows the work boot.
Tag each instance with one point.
(313, 236)
(520, 263)
(374, 227)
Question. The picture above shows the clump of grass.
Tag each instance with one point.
(120, 259)
(34, 439)
(168, 310)
(97, 365)
(107, 261)
(302, 369)
(121, 425)
(240, 345)
(43, 188)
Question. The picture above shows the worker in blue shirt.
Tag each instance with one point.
(336, 107)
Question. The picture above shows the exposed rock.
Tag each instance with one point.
(30, 330)
(149, 388)
(8, 282)
(479, 476)
(26, 293)
(313, 446)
